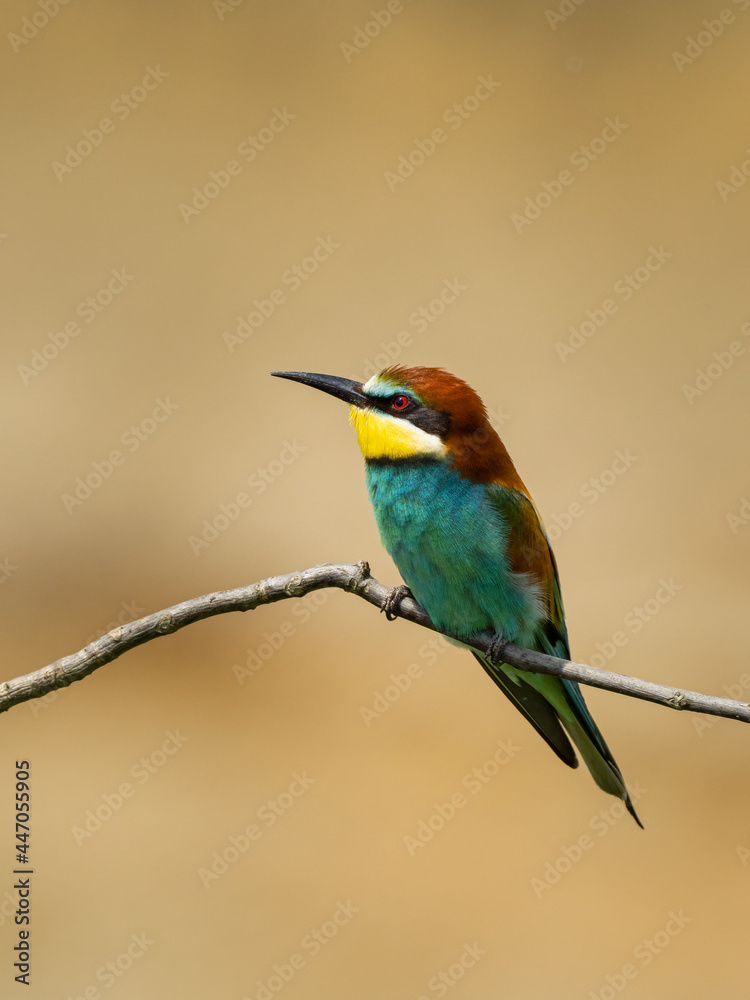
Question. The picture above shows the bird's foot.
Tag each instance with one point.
(393, 599)
(496, 649)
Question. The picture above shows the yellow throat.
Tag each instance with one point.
(381, 435)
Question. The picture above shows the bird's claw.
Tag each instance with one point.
(496, 649)
(393, 599)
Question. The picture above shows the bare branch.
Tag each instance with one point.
(356, 579)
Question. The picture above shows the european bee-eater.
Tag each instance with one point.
(468, 541)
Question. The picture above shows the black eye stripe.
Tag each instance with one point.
(432, 421)
(387, 404)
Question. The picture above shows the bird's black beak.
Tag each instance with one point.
(342, 388)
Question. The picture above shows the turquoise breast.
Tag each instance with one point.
(449, 544)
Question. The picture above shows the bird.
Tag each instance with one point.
(468, 541)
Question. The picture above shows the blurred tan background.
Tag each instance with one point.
(583, 200)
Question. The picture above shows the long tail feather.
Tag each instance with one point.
(537, 710)
(551, 703)
(593, 747)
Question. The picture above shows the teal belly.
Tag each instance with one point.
(449, 545)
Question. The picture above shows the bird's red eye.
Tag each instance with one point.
(400, 402)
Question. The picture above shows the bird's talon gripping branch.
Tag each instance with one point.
(496, 650)
(393, 599)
